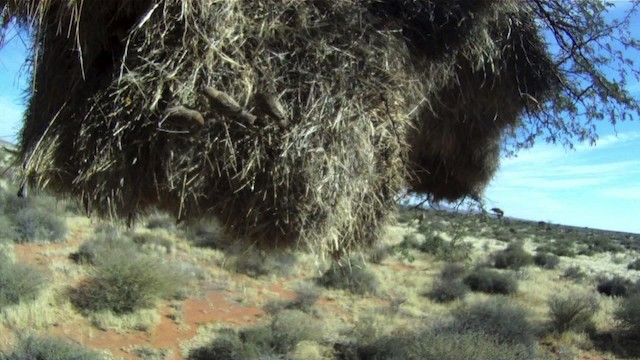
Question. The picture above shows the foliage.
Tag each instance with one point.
(559, 247)
(590, 52)
(572, 312)
(31, 220)
(634, 265)
(124, 284)
(628, 315)
(452, 271)
(454, 250)
(440, 344)
(289, 327)
(352, 275)
(574, 273)
(43, 348)
(503, 320)
(448, 290)
(491, 281)
(257, 263)
(19, 282)
(513, 257)
(615, 286)
(546, 260)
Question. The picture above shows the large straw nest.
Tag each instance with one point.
(288, 120)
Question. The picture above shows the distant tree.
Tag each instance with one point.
(593, 52)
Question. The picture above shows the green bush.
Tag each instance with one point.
(255, 263)
(503, 320)
(124, 284)
(448, 290)
(572, 312)
(19, 282)
(436, 345)
(442, 344)
(628, 315)
(226, 346)
(350, 276)
(33, 225)
(454, 250)
(290, 327)
(491, 281)
(546, 260)
(634, 265)
(306, 297)
(7, 230)
(513, 257)
(615, 286)
(559, 247)
(105, 244)
(41, 348)
(574, 273)
(452, 271)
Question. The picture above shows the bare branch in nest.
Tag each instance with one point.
(223, 103)
(191, 117)
(268, 105)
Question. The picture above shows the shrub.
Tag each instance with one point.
(634, 265)
(452, 271)
(226, 346)
(454, 250)
(161, 221)
(546, 260)
(255, 263)
(503, 320)
(19, 282)
(574, 273)
(307, 295)
(104, 244)
(7, 230)
(353, 277)
(289, 327)
(628, 315)
(448, 290)
(560, 247)
(41, 348)
(615, 286)
(513, 257)
(491, 281)
(38, 225)
(438, 345)
(572, 312)
(124, 284)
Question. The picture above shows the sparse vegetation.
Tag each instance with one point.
(352, 276)
(289, 327)
(615, 286)
(546, 260)
(256, 263)
(513, 257)
(500, 318)
(574, 273)
(124, 284)
(448, 290)
(491, 281)
(44, 348)
(634, 265)
(572, 312)
(30, 220)
(19, 282)
(628, 315)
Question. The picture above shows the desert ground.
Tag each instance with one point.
(455, 285)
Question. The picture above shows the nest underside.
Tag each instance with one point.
(293, 122)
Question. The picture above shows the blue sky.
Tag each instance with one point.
(591, 186)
